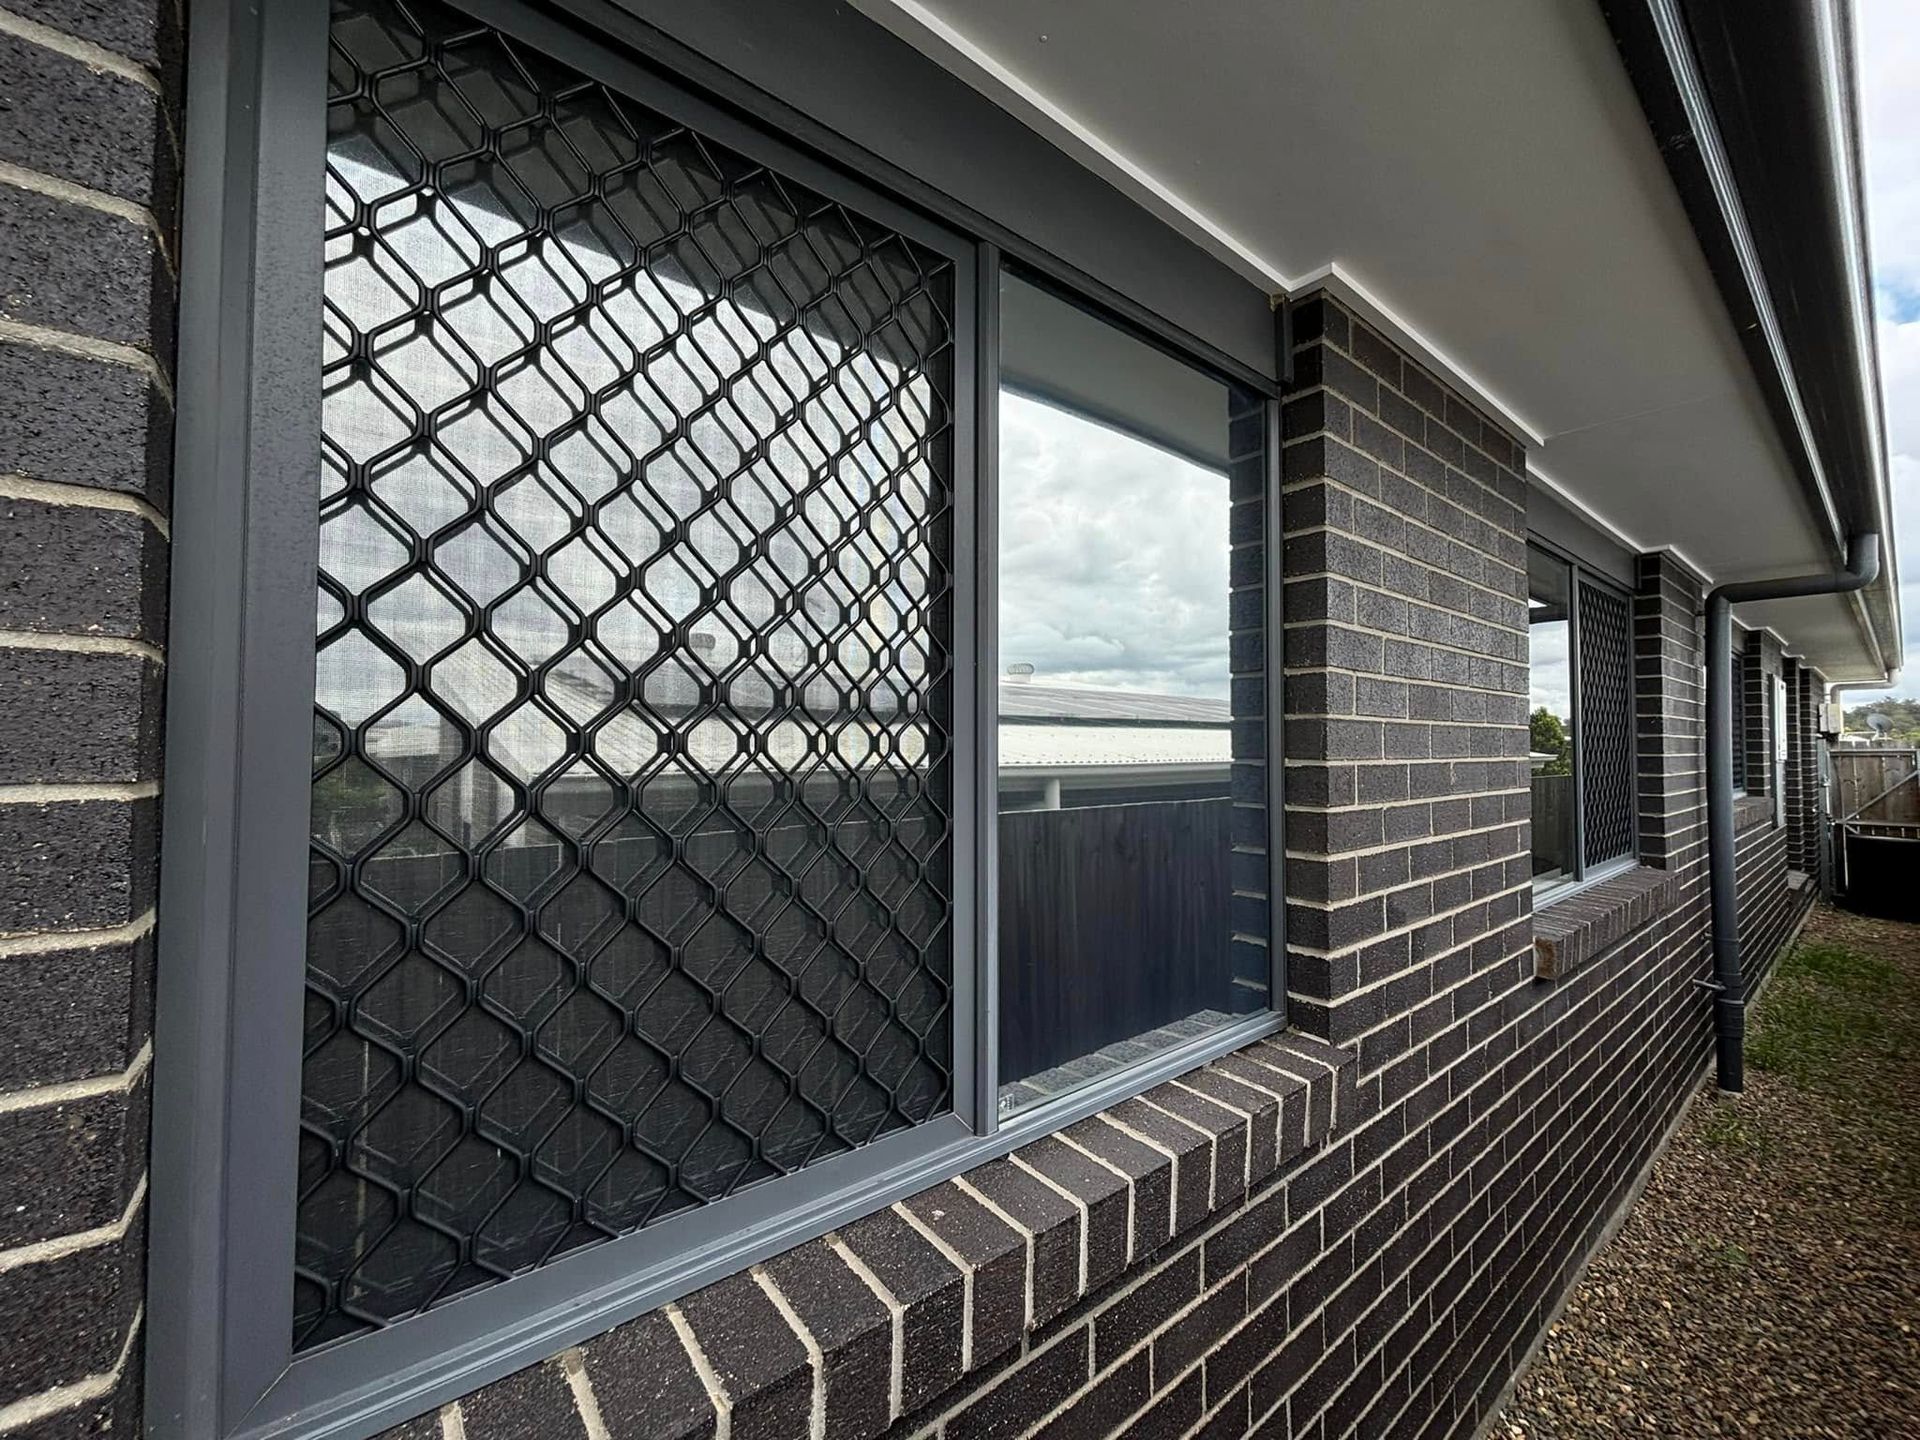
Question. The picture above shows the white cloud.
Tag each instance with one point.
(1113, 557)
(1889, 73)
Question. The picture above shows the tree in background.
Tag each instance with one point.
(1549, 737)
(1905, 715)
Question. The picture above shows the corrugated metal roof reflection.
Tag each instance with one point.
(1026, 701)
(1059, 747)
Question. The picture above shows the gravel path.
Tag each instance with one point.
(1768, 1282)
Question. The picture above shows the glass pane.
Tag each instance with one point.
(1131, 786)
(631, 861)
(1737, 718)
(1550, 701)
(1606, 723)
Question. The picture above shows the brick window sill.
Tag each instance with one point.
(882, 1319)
(1568, 933)
(1750, 811)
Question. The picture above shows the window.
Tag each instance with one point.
(632, 844)
(1737, 718)
(1580, 724)
(1778, 749)
(1131, 492)
(632, 506)
(1550, 741)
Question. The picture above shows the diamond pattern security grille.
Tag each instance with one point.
(1737, 718)
(1606, 724)
(631, 838)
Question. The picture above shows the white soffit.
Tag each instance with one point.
(1476, 177)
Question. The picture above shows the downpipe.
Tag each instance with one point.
(1729, 981)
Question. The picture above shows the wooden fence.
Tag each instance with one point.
(1114, 919)
(1876, 786)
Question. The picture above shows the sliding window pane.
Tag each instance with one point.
(1550, 700)
(1606, 723)
(1737, 719)
(631, 866)
(1132, 830)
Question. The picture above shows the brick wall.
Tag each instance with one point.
(88, 162)
(1383, 1269)
(1500, 1118)
(1769, 907)
(1805, 690)
(1358, 1229)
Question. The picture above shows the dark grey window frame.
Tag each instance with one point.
(1583, 575)
(1737, 714)
(1779, 736)
(232, 936)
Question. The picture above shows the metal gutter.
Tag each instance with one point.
(1729, 980)
(1752, 108)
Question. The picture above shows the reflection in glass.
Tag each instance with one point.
(1117, 748)
(630, 857)
(1737, 719)
(1550, 706)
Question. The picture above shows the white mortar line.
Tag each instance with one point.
(1246, 1116)
(574, 1364)
(453, 1421)
(709, 1377)
(1026, 1235)
(70, 193)
(80, 644)
(1127, 1179)
(61, 794)
(817, 1422)
(954, 1258)
(1080, 1389)
(1393, 887)
(49, 942)
(86, 347)
(86, 497)
(1213, 1150)
(897, 1367)
(94, 57)
(1327, 1074)
(1086, 1214)
(1279, 1104)
(1027, 1358)
(43, 1095)
(28, 1409)
(1199, 1427)
(62, 1246)
(1406, 929)
(1173, 1159)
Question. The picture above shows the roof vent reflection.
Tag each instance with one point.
(1019, 674)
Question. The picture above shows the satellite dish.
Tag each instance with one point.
(1879, 723)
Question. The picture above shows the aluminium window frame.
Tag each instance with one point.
(231, 942)
(1778, 741)
(1580, 576)
(1737, 722)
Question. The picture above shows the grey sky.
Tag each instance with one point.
(1889, 67)
(1113, 557)
(1548, 675)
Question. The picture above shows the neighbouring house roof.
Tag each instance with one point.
(1039, 701)
(1065, 747)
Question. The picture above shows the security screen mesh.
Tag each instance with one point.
(630, 878)
(1606, 724)
(1737, 718)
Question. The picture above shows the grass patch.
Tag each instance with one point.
(1828, 1004)
(1728, 1127)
